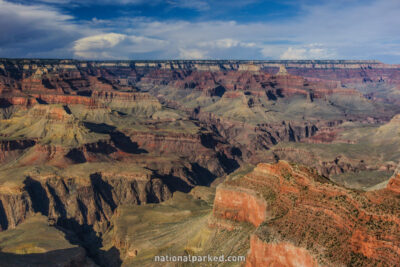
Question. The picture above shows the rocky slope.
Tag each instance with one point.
(302, 219)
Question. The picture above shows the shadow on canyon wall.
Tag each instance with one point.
(81, 234)
(120, 140)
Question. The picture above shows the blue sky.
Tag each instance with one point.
(201, 29)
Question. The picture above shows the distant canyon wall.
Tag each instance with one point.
(209, 65)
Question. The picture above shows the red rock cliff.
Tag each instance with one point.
(278, 255)
(239, 205)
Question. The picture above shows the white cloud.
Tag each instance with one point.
(36, 31)
(191, 54)
(293, 53)
(115, 46)
(225, 43)
(211, 39)
(142, 44)
(311, 51)
(248, 44)
(100, 41)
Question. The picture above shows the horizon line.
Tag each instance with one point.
(370, 61)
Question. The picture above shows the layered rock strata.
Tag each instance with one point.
(310, 221)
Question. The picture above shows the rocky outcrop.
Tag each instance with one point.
(319, 222)
(281, 254)
(243, 205)
(98, 99)
(11, 149)
(394, 184)
(66, 99)
(7, 101)
(15, 206)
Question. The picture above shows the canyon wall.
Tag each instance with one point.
(74, 201)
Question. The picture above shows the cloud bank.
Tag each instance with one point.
(341, 29)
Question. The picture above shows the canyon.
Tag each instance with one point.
(354, 228)
(285, 162)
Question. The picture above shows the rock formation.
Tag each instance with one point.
(309, 221)
(282, 70)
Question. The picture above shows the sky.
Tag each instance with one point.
(201, 29)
